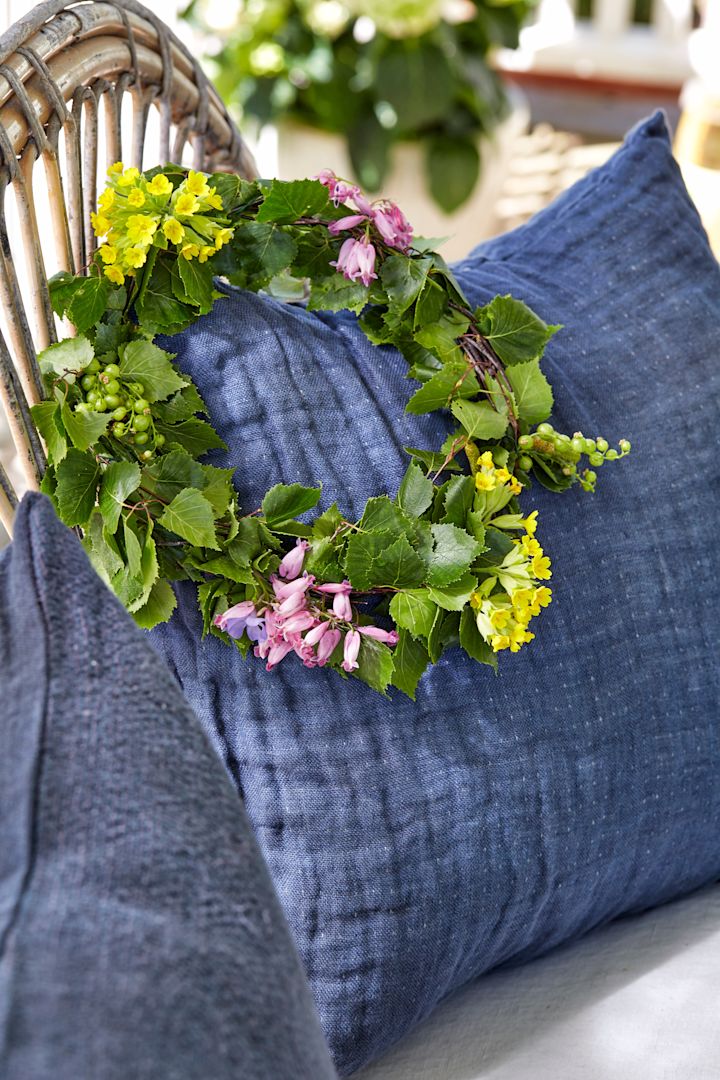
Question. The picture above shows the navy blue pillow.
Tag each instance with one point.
(140, 937)
(414, 846)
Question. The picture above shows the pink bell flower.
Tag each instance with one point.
(334, 587)
(338, 190)
(278, 652)
(292, 604)
(302, 620)
(292, 564)
(388, 637)
(393, 226)
(317, 633)
(342, 606)
(327, 645)
(356, 260)
(349, 222)
(285, 589)
(351, 650)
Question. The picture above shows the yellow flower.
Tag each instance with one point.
(135, 257)
(116, 168)
(486, 459)
(115, 274)
(190, 251)
(543, 596)
(214, 200)
(503, 475)
(108, 253)
(515, 485)
(100, 224)
(141, 228)
(205, 254)
(173, 230)
(159, 185)
(541, 567)
(530, 523)
(129, 177)
(484, 481)
(106, 200)
(530, 546)
(136, 197)
(185, 204)
(196, 184)
(222, 237)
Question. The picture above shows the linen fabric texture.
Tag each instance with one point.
(415, 846)
(140, 935)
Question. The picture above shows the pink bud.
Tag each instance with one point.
(389, 637)
(291, 565)
(348, 222)
(335, 587)
(317, 633)
(284, 589)
(292, 604)
(328, 644)
(278, 652)
(342, 606)
(303, 620)
(351, 650)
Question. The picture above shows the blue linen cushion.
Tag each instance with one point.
(139, 932)
(415, 846)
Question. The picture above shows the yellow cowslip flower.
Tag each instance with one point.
(116, 168)
(484, 481)
(135, 257)
(100, 224)
(185, 204)
(159, 185)
(515, 485)
(108, 253)
(129, 177)
(541, 567)
(499, 625)
(213, 200)
(530, 546)
(136, 197)
(543, 596)
(141, 228)
(222, 237)
(206, 253)
(115, 274)
(500, 618)
(173, 230)
(190, 251)
(486, 459)
(106, 200)
(196, 184)
(530, 523)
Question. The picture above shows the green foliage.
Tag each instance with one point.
(480, 419)
(416, 491)
(453, 167)
(285, 501)
(287, 201)
(191, 516)
(411, 659)
(77, 476)
(533, 393)
(66, 358)
(145, 363)
(120, 480)
(516, 333)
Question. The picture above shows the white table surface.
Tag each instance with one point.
(636, 1000)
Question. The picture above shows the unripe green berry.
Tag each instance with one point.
(578, 444)
(140, 405)
(563, 440)
(100, 405)
(141, 438)
(602, 445)
(525, 442)
(590, 476)
(118, 430)
(141, 423)
(119, 413)
(545, 430)
(93, 367)
(524, 461)
(113, 386)
(596, 459)
(112, 401)
(82, 406)
(147, 455)
(590, 446)
(624, 446)
(92, 397)
(612, 455)
(112, 371)
(160, 441)
(87, 382)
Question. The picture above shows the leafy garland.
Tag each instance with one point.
(450, 560)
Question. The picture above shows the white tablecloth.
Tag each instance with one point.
(636, 1000)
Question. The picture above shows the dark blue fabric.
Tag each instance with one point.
(140, 937)
(415, 846)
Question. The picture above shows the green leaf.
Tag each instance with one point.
(441, 336)
(289, 200)
(368, 144)
(432, 459)
(225, 567)
(88, 302)
(327, 523)
(258, 251)
(459, 496)
(381, 513)
(197, 279)
(411, 659)
(336, 293)
(451, 381)
(77, 475)
(158, 310)
(416, 78)
(453, 168)
(453, 552)
(158, 607)
(443, 634)
(454, 597)
(119, 480)
(480, 419)
(533, 394)
(218, 488)
(515, 332)
(431, 305)
(181, 406)
(102, 549)
(414, 611)
(47, 420)
(147, 574)
(416, 491)
(172, 472)
(403, 279)
(64, 358)
(84, 428)
(380, 559)
(285, 501)
(375, 664)
(191, 516)
(473, 642)
(475, 526)
(143, 362)
(195, 436)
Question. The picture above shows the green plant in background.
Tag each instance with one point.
(376, 71)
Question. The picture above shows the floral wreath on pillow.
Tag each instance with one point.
(450, 559)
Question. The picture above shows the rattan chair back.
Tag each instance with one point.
(82, 85)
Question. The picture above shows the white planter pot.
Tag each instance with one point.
(294, 150)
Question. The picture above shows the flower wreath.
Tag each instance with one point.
(451, 559)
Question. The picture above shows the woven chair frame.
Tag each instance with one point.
(65, 70)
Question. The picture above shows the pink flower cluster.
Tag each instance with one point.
(357, 256)
(297, 622)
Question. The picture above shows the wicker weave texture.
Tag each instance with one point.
(82, 85)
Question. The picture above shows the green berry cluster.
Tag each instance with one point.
(105, 390)
(566, 451)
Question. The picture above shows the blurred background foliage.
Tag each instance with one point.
(375, 71)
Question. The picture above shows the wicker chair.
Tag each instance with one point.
(76, 80)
